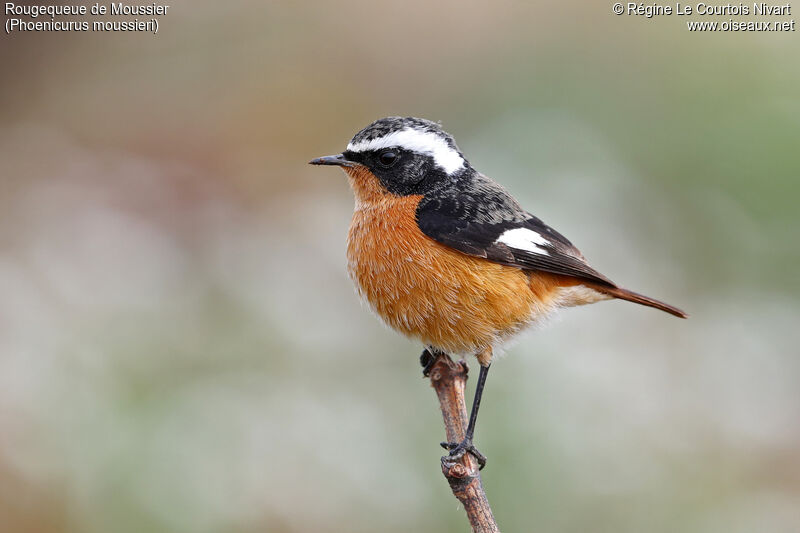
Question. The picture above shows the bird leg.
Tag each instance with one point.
(458, 449)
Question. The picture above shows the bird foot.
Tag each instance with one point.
(458, 449)
(427, 359)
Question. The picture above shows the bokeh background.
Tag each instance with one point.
(181, 349)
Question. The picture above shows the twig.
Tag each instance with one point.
(449, 380)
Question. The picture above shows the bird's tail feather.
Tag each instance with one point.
(625, 294)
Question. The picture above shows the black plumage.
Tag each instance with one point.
(472, 217)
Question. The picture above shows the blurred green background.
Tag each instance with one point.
(181, 349)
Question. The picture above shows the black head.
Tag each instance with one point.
(408, 155)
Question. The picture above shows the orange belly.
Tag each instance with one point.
(444, 298)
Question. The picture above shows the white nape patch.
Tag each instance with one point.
(424, 142)
(524, 239)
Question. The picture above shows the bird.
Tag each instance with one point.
(446, 256)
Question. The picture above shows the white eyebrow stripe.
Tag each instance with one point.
(524, 239)
(424, 142)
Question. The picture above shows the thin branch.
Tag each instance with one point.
(449, 380)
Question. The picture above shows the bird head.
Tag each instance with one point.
(400, 156)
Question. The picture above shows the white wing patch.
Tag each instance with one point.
(424, 142)
(524, 239)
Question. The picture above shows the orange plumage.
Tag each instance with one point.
(444, 298)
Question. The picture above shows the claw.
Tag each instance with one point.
(426, 360)
(458, 449)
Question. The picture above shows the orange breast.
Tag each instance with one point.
(446, 299)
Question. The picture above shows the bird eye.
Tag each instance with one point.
(388, 158)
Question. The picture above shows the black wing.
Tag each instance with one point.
(483, 220)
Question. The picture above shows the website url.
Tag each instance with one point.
(738, 25)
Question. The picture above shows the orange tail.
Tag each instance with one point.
(625, 294)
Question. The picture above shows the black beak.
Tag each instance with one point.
(338, 160)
